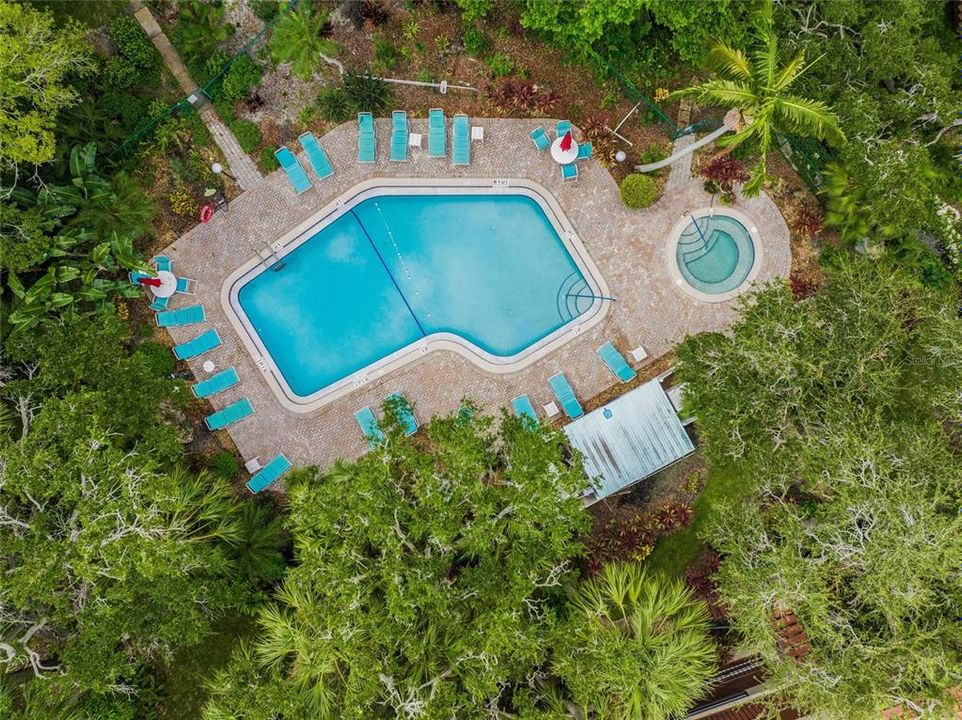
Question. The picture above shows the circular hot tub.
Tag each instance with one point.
(714, 254)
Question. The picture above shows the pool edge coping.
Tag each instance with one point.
(413, 352)
(678, 280)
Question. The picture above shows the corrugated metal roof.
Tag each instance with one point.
(629, 438)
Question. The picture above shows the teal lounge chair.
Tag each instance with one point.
(569, 172)
(541, 140)
(399, 136)
(616, 362)
(295, 173)
(162, 263)
(135, 276)
(366, 145)
(561, 127)
(160, 304)
(584, 151)
(182, 316)
(369, 426)
(216, 383)
(461, 140)
(437, 133)
(523, 408)
(269, 474)
(316, 155)
(203, 343)
(566, 395)
(186, 286)
(229, 415)
(405, 414)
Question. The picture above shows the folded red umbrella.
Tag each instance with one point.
(152, 282)
(566, 141)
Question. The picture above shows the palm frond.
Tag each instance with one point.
(729, 62)
(809, 117)
(789, 73)
(765, 61)
(721, 92)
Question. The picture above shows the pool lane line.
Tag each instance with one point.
(388, 271)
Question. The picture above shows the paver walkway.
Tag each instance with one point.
(239, 162)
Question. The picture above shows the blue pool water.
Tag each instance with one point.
(490, 269)
(718, 258)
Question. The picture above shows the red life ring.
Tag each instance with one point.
(206, 213)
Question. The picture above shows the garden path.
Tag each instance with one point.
(239, 163)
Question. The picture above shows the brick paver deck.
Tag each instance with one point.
(627, 245)
(239, 162)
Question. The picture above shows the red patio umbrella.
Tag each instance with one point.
(152, 282)
(566, 141)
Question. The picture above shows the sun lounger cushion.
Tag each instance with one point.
(523, 408)
(216, 383)
(461, 140)
(437, 134)
(405, 414)
(616, 362)
(369, 426)
(229, 415)
(269, 474)
(295, 173)
(182, 316)
(316, 155)
(566, 395)
(205, 342)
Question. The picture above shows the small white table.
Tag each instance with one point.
(168, 285)
(477, 133)
(551, 409)
(209, 366)
(564, 157)
(414, 140)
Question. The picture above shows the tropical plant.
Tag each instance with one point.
(334, 104)
(36, 66)
(759, 88)
(240, 78)
(725, 171)
(298, 39)
(259, 550)
(201, 28)
(634, 647)
(368, 93)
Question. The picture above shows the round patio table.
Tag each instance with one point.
(564, 157)
(168, 284)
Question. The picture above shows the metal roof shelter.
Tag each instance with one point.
(629, 439)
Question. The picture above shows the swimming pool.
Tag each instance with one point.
(714, 254)
(392, 272)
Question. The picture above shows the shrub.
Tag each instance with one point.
(500, 65)
(266, 10)
(128, 109)
(652, 154)
(385, 53)
(266, 161)
(158, 357)
(475, 41)
(334, 104)
(725, 171)
(224, 465)
(247, 133)
(368, 93)
(638, 191)
(182, 202)
(242, 75)
(133, 44)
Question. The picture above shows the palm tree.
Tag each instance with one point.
(298, 40)
(635, 646)
(758, 87)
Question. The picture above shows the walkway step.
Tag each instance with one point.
(243, 169)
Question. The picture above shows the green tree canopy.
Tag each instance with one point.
(841, 409)
(635, 647)
(298, 40)
(428, 577)
(37, 61)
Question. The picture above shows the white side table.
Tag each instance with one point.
(414, 140)
(551, 409)
(209, 366)
(477, 133)
(252, 465)
(639, 353)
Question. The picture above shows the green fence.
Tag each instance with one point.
(208, 90)
(807, 155)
